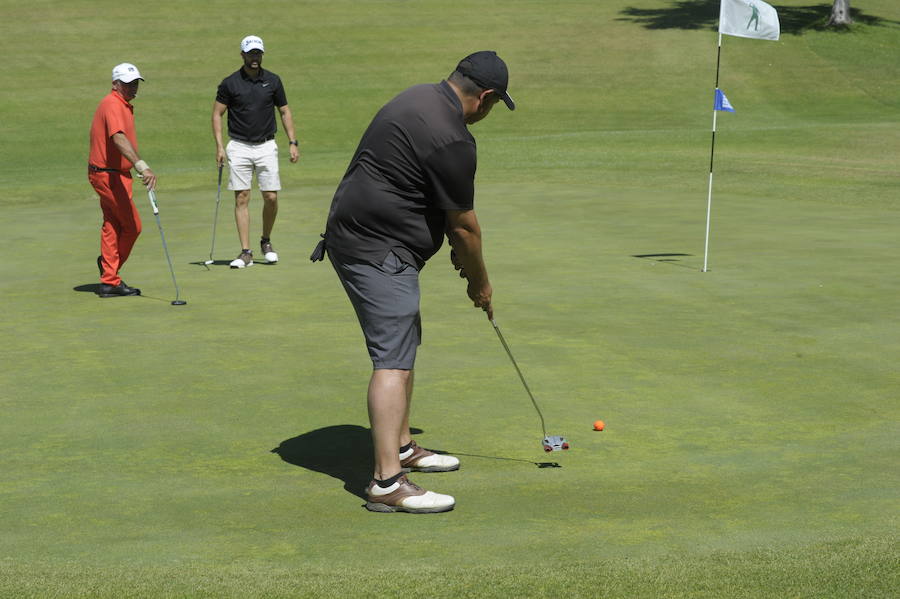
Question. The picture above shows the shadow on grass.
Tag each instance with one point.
(671, 258)
(227, 263)
(704, 14)
(89, 288)
(494, 457)
(95, 287)
(344, 452)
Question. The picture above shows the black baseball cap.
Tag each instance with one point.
(489, 71)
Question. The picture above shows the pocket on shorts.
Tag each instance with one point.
(394, 265)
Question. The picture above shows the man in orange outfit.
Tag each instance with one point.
(113, 153)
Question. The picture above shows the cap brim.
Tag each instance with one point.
(507, 99)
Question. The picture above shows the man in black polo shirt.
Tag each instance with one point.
(250, 96)
(410, 183)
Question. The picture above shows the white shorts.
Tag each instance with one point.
(244, 158)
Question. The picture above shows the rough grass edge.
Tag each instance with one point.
(854, 567)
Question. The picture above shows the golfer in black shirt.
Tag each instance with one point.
(410, 183)
(250, 95)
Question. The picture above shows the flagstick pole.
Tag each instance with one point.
(712, 152)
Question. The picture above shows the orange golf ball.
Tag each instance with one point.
(599, 425)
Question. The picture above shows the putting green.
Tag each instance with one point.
(214, 449)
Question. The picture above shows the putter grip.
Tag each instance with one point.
(153, 201)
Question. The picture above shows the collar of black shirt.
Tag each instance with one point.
(448, 91)
(259, 76)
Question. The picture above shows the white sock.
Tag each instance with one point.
(378, 491)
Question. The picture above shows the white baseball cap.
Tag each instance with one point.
(126, 73)
(252, 42)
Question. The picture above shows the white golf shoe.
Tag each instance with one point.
(243, 260)
(417, 459)
(405, 496)
(268, 252)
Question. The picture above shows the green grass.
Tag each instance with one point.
(816, 571)
(751, 441)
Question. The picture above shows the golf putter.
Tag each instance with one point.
(215, 218)
(549, 442)
(177, 301)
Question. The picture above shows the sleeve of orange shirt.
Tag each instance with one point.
(121, 119)
(115, 116)
(114, 121)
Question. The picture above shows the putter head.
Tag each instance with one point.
(554, 443)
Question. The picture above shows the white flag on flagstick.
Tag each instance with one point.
(749, 18)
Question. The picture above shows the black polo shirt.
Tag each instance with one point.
(251, 104)
(416, 160)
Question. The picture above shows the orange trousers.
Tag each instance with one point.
(121, 222)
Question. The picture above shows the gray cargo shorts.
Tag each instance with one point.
(386, 300)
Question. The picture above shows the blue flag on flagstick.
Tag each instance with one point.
(721, 102)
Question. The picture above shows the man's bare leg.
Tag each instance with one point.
(390, 394)
(242, 217)
(270, 211)
(405, 436)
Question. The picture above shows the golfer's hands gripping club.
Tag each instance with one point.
(148, 178)
(481, 297)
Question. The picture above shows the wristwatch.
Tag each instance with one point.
(294, 142)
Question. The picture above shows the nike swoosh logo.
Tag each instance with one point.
(265, 85)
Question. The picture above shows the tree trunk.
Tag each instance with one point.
(840, 14)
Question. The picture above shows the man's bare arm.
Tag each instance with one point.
(217, 112)
(128, 151)
(464, 234)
